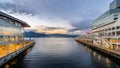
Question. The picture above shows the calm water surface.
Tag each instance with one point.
(60, 53)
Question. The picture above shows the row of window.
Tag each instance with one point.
(7, 21)
(117, 33)
(109, 29)
(10, 30)
(106, 18)
(10, 38)
(9, 27)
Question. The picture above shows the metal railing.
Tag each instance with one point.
(105, 43)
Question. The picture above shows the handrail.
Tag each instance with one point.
(108, 42)
(105, 41)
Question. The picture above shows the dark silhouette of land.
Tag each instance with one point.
(34, 34)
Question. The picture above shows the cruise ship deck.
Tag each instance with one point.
(107, 26)
(105, 32)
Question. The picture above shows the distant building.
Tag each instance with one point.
(11, 34)
(107, 26)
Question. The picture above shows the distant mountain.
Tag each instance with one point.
(61, 35)
(34, 34)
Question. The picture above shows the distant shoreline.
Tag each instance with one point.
(50, 37)
(43, 35)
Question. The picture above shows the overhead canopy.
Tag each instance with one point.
(23, 24)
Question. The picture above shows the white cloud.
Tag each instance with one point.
(35, 20)
(57, 13)
(9, 1)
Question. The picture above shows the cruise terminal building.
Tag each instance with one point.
(11, 34)
(107, 26)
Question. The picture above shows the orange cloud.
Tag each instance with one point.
(51, 30)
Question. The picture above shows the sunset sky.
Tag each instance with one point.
(56, 16)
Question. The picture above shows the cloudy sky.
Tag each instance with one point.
(56, 16)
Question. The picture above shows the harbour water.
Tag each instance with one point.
(60, 53)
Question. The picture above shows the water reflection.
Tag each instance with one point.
(60, 53)
(99, 57)
(56, 47)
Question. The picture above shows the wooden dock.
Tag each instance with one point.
(113, 54)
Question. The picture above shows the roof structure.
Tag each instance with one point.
(23, 24)
(109, 15)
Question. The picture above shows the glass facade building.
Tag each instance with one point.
(11, 34)
(107, 26)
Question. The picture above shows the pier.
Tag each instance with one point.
(12, 41)
(12, 55)
(113, 54)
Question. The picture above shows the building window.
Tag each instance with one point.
(1, 38)
(109, 29)
(109, 34)
(113, 33)
(118, 27)
(113, 28)
(115, 18)
(118, 32)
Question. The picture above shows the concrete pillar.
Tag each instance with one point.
(8, 48)
(116, 36)
(15, 47)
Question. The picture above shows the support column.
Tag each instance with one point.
(15, 47)
(111, 37)
(8, 48)
(116, 35)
